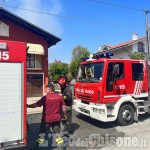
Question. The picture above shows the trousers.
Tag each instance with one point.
(68, 122)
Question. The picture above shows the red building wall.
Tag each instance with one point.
(19, 33)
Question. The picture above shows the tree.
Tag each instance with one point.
(136, 55)
(78, 53)
(57, 69)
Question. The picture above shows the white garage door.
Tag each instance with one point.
(11, 101)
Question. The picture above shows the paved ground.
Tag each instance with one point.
(35, 110)
(90, 134)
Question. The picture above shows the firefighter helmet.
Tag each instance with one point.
(62, 81)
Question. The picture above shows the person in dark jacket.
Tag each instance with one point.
(67, 96)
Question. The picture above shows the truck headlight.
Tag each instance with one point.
(99, 111)
(102, 111)
(95, 110)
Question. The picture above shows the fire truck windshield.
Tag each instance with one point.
(91, 72)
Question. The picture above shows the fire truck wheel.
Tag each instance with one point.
(125, 115)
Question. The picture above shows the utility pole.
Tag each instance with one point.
(147, 50)
(147, 31)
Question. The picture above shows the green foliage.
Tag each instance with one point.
(57, 70)
(136, 55)
(77, 54)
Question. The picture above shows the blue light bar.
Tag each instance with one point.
(98, 56)
(85, 58)
(107, 55)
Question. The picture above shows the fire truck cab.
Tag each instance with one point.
(112, 89)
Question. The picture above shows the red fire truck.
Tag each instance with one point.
(110, 89)
(12, 94)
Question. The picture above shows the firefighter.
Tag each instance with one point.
(53, 105)
(67, 96)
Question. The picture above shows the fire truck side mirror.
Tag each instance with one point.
(111, 82)
(115, 71)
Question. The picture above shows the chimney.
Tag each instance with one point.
(134, 36)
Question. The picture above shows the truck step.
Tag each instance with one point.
(141, 113)
(109, 116)
(140, 106)
(140, 100)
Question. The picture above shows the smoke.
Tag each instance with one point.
(49, 23)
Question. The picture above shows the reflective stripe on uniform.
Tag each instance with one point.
(40, 140)
(59, 140)
(68, 108)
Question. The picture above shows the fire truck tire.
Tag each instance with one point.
(125, 115)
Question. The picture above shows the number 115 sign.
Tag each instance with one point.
(4, 55)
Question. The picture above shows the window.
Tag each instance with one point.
(4, 29)
(137, 72)
(119, 71)
(34, 61)
(38, 63)
(141, 47)
(91, 72)
(30, 60)
(115, 72)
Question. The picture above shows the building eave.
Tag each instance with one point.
(122, 45)
(50, 38)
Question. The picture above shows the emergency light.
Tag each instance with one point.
(98, 56)
(107, 55)
(85, 58)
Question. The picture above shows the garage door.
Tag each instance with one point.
(11, 101)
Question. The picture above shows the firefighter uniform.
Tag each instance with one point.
(67, 96)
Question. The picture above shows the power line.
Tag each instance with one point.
(76, 18)
(61, 16)
(117, 5)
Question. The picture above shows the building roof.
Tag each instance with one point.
(124, 44)
(52, 39)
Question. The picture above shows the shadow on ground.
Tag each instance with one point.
(144, 117)
(106, 125)
(97, 123)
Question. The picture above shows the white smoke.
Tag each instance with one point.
(49, 23)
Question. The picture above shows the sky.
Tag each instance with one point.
(89, 23)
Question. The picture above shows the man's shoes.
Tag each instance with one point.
(32, 149)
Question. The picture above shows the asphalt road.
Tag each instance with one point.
(90, 134)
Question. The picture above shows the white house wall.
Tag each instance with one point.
(123, 52)
(124, 49)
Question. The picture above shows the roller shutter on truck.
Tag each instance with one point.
(11, 102)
